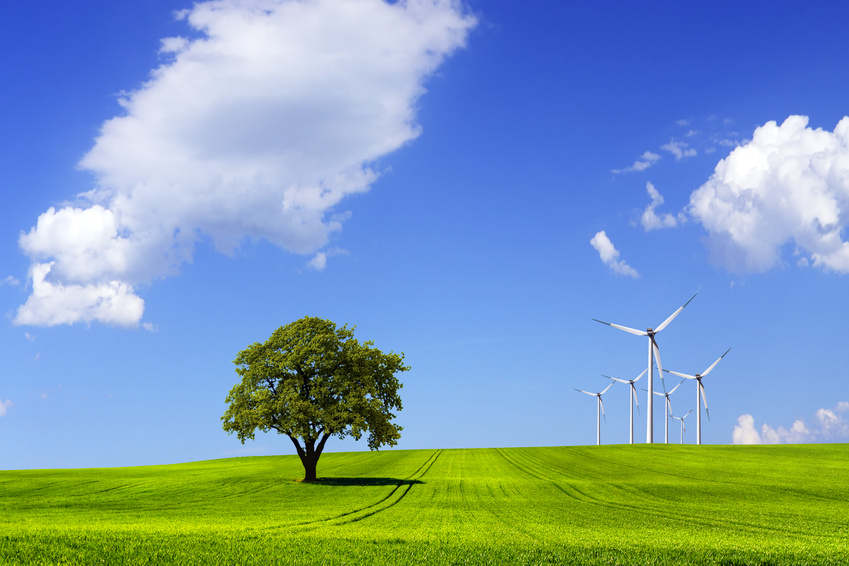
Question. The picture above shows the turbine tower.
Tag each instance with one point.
(683, 428)
(633, 398)
(654, 352)
(700, 388)
(599, 412)
(668, 406)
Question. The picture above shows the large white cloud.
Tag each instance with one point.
(255, 129)
(788, 186)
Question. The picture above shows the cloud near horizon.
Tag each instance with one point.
(829, 425)
(787, 186)
(256, 129)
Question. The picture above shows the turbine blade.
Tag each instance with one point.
(587, 392)
(704, 397)
(688, 412)
(680, 374)
(641, 375)
(658, 393)
(666, 322)
(676, 387)
(634, 393)
(713, 365)
(630, 330)
(601, 404)
(615, 378)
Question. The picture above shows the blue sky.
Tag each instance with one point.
(180, 181)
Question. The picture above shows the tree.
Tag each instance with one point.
(310, 381)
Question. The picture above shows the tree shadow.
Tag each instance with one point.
(365, 482)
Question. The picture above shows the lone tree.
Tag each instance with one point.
(310, 381)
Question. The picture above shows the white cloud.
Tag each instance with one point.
(112, 302)
(609, 255)
(651, 220)
(798, 434)
(789, 184)
(828, 426)
(319, 260)
(257, 129)
(679, 149)
(29, 336)
(645, 161)
(9, 280)
(744, 431)
(4, 407)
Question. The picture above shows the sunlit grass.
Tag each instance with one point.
(562, 505)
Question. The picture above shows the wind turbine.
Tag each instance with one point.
(633, 396)
(683, 428)
(654, 352)
(700, 387)
(599, 412)
(668, 406)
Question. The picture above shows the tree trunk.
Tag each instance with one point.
(310, 465)
(309, 455)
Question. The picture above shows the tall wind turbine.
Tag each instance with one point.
(683, 428)
(668, 407)
(633, 396)
(654, 352)
(700, 388)
(599, 412)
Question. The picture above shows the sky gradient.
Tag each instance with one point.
(468, 183)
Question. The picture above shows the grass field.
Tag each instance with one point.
(566, 505)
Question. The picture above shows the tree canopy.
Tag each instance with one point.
(311, 380)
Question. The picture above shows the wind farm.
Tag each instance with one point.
(653, 354)
(654, 360)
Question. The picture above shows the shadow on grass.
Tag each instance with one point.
(365, 481)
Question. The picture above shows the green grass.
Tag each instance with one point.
(566, 505)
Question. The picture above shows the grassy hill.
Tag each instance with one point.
(644, 504)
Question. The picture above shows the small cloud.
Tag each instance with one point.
(651, 220)
(4, 407)
(645, 161)
(29, 336)
(679, 149)
(319, 260)
(44, 395)
(150, 327)
(683, 123)
(37, 356)
(9, 280)
(609, 255)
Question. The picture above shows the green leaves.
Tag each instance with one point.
(311, 379)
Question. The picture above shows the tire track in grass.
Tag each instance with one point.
(653, 508)
(572, 493)
(393, 498)
(409, 482)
